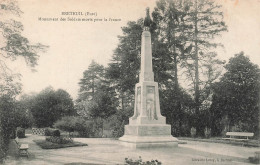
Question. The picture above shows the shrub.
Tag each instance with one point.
(119, 120)
(193, 132)
(207, 132)
(2, 152)
(118, 130)
(98, 127)
(66, 124)
(20, 132)
(8, 123)
(47, 132)
(56, 133)
(79, 124)
(140, 162)
(59, 139)
(254, 160)
(2, 156)
(51, 132)
(86, 130)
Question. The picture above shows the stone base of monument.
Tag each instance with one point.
(148, 141)
(146, 136)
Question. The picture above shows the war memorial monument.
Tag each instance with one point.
(147, 127)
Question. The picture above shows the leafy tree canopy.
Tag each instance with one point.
(14, 45)
(92, 79)
(50, 105)
(237, 94)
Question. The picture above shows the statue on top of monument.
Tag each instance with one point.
(147, 21)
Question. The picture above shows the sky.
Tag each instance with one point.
(74, 44)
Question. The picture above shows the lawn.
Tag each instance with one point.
(249, 143)
(49, 145)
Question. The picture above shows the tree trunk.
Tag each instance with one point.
(259, 115)
(175, 72)
(93, 88)
(122, 100)
(196, 61)
(102, 128)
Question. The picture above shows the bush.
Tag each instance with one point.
(193, 132)
(2, 156)
(49, 145)
(47, 132)
(86, 130)
(51, 132)
(56, 133)
(20, 132)
(2, 152)
(140, 162)
(8, 123)
(98, 127)
(119, 120)
(254, 160)
(59, 139)
(79, 124)
(207, 132)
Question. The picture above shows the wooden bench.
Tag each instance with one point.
(242, 136)
(23, 148)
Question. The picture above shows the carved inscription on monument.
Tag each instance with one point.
(150, 103)
(159, 130)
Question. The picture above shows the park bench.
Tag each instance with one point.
(23, 148)
(239, 136)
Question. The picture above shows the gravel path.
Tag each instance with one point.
(109, 151)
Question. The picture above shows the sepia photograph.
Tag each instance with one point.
(129, 82)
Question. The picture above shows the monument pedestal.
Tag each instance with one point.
(148, 142)
(146, 136)
(147, 128)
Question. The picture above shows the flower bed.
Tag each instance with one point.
(49, 145)
(59, 139)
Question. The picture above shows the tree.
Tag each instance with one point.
(92, 79)
(95, 90)
(103, 105)
(170, 17)
(178, 112)
(125, 64)
(24, 116)
(14, 45)
(23, 111)
(49, 106)
(7, 121)
(236, 96)
(207, 22)
(200, 22)
(172, 26)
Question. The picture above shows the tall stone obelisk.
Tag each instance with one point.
(147, 127)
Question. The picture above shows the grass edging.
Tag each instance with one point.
(49, 145)
(219, 140)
